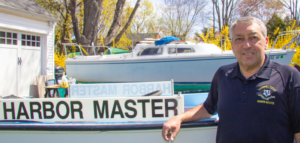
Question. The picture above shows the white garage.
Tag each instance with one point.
(26, 46)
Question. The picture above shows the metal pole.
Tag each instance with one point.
(221, 44)
(225, 44)
(176, 46)
(93, 47)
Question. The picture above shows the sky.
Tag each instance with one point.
(154, 2)
(157, 3)
(195, 29)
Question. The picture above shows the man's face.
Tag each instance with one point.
(248, 44)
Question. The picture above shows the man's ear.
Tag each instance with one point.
(267, 43)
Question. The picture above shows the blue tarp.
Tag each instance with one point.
(166, 40)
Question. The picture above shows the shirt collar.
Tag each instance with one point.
(266, 69)
(235, 71)
(264, 72)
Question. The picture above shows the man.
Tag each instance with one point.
(257, 100)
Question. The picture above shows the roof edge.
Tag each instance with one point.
(19, 11)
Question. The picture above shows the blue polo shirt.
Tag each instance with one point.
(262, 109)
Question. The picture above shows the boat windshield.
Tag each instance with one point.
(151, 51)
(181, 50)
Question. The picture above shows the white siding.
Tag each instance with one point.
(23, 24)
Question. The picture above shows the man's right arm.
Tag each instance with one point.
(173, 125)
(199, 112)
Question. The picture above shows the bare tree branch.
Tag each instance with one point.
(92, 12)
(181, 15)
(118, 37)
(116, 24)
(292, 7)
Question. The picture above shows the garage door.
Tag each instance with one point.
(8, 71)
(20, 55)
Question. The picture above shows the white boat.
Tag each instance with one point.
(195, 65)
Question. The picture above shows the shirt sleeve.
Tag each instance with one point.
(294, 100)
(211, 101)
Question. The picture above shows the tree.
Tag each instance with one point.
(106, 19)
(288, 21)
(63, 29)
(274, 23)
(88, 21)
(262, 9)
(205, 30)
(92, 13)
(205, 35)
(293, 7)
(224, 10)
(248, 7)
(118, 37)
(145, 20)
(179, 16)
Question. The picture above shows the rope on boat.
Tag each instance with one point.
(83, 49)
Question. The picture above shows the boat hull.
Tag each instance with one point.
(195, 70)
(192, 132)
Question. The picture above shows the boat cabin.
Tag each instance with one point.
(174, 48)
(147, 49)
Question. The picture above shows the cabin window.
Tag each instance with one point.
(8, 38)
(151, 51)
(181, 50)
(31, 40)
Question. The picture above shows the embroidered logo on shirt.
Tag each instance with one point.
(265, 92)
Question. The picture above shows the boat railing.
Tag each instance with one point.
(85, 53)
(295, 38)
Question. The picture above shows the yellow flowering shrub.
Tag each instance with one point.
(285, 39)
(59, 60)
(123, 43)
(212, 38)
